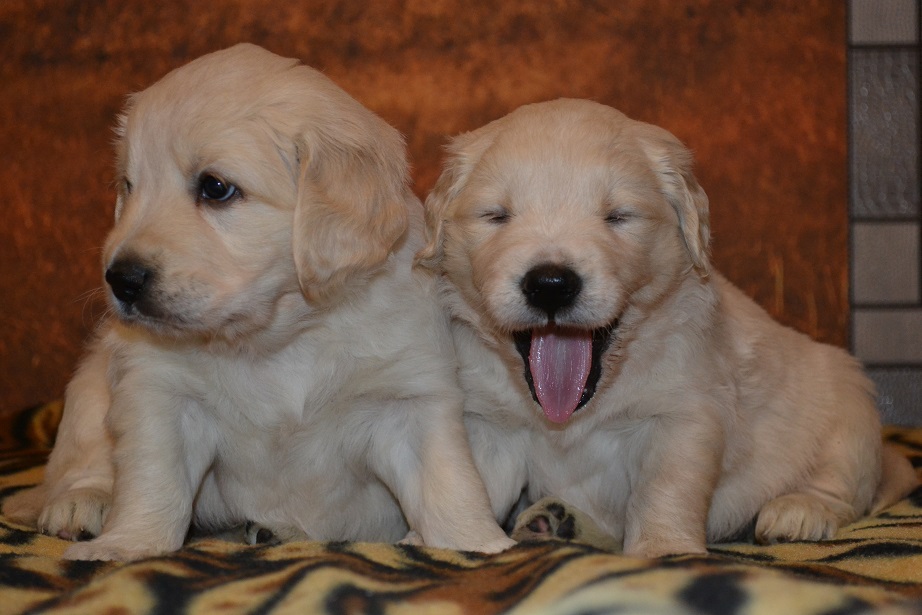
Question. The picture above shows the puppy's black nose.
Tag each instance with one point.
(551, 287)
(128, 279)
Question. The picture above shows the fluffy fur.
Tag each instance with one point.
(275, 357)
(568, 218)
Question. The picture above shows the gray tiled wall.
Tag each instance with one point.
(884, 210)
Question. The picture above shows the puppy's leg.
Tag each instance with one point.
(501, 463)
(74, 498)
(816, 510)
(553, 519)
(679, 460)
(840, 489)
(426, 462)
(898, 479)
(162, 450)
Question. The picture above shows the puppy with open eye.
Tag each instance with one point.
(607, 365)
(275, 358)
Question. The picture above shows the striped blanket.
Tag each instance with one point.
(872, 566)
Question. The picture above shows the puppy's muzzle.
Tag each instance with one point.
(129, 280)
(551, 288)
(562, 363)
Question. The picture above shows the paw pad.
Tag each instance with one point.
(546, 520)
(259, 535)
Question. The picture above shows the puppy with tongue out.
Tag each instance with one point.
(605, 364)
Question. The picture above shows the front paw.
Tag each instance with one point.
(77, 514)
(413, 539)
(652, 548)
(794, 517)
(496, 546)
(111, 548)
(554, 519)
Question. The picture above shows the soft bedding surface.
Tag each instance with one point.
(874, 565)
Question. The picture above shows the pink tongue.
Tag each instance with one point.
(559, 360)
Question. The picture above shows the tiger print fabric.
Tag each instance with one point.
(872, 566)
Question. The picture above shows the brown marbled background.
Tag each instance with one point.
(756, 88)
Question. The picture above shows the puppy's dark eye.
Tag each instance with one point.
(214, 189)
(496, 216)
(127, 186)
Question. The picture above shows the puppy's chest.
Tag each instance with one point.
(279, 418)
(270, 394)
(588, 459)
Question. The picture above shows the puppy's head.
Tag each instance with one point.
(245, 180)
(557, 223)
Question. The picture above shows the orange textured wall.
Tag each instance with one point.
(756, 88)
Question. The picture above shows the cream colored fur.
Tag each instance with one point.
(289, 366)
(708, 413)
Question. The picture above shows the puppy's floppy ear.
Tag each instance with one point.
(353, 193)
(672, 161)
(462, 154)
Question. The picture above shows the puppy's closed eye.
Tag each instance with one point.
(617, 217)
(495, 215)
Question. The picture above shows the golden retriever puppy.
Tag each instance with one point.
(606, 364)
(275, 357)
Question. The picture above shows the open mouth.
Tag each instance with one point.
(563, 366)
